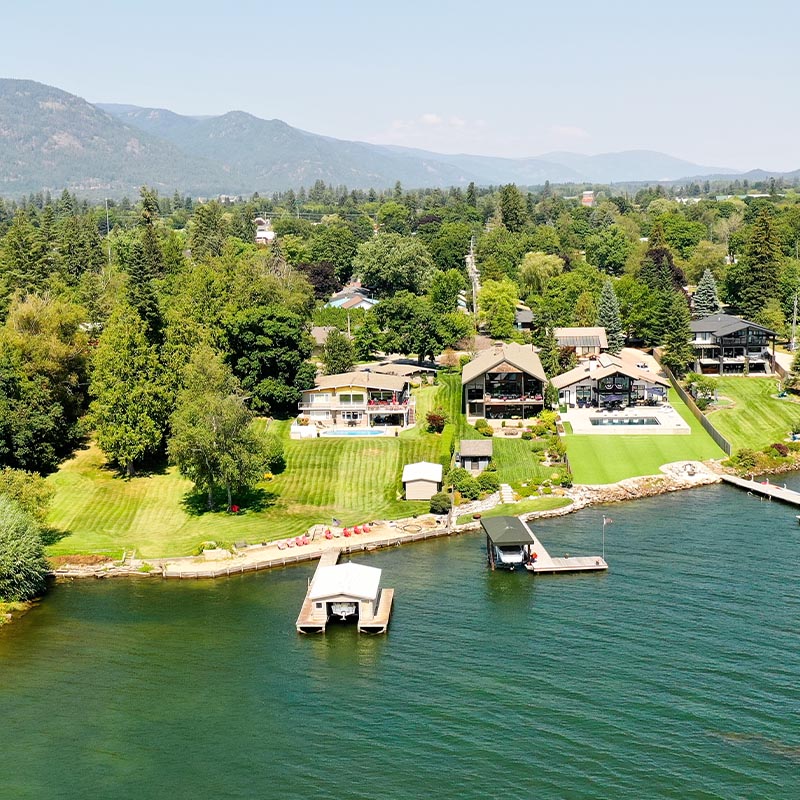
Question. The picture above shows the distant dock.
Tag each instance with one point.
(765, 489)
(345, 591)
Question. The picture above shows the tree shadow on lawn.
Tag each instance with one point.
(248, 500)
(53, 535)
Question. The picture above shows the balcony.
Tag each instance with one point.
(502, 399)
(389, 406)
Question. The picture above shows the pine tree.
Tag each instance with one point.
(762, 262)
(129, 408)
(658, 266)
(513, 212)
(549, 353)
(608, 317)
(678, 351)
(706, 300)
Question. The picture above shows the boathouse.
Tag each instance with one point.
(509, 542)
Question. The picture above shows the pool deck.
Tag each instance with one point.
(669, 421)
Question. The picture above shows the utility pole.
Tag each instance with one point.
(793, 342)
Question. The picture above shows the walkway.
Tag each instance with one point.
(765, 489)
(546, 564)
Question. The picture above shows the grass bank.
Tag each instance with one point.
(598, 458)
(522, 507)
(754, 419)
(351, 479)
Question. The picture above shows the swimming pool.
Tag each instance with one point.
(353, 432)
(624, 421)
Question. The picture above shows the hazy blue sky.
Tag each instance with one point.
(714, 82)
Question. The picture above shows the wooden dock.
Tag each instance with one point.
(545, 564)
(765, 489)
(380, 622)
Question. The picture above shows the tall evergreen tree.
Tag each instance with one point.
(658, 266)
(678, 351)
(129, 406)
(549, 353)
(367, 337)
(513, 213)
(608, 317)
(706, 300)
(762, 261)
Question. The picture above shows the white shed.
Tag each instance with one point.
(422, 480)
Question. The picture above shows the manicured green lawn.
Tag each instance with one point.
(610, 458)
(522, 507)
(516, 462)
(352, 479)
(755, 419)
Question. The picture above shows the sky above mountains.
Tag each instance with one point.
(712, 82)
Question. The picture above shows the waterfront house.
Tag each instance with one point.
(506, 381)
(727, 345)
(359, 400)
(610, 380)
(422, 480)
(474, 455)
(586, 341)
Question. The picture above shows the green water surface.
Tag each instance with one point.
(675, 675)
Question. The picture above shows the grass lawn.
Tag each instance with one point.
(754, 419)
(352, 479)
(614, 457)
(522, 507)
(516, 462)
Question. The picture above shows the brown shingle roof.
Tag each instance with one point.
(520, 356)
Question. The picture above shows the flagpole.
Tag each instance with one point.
(604, 537)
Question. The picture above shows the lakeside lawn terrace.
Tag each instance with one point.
(600, 459)
(754, 418)
(354, 480)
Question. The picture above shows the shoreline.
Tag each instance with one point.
(674, 477)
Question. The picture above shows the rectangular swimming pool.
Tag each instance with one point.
(624, 421)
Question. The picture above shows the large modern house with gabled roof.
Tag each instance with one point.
(727, 345)
(506, 381)
(607, 380)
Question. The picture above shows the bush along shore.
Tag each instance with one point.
(674, 477)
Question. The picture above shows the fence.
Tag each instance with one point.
(723, 443)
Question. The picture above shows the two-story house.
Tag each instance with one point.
(359, 400)
(727, 345)
(505, 382)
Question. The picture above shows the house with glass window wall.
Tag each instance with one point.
(727, 345)
(609, 381)
(505, 382)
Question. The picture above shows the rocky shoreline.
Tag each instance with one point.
(676, 477)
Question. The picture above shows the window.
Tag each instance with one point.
(319, 605)
(351, 399)
(321, 399)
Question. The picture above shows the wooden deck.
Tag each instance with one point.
(305, 623)
(546, 564)
(380, 622)
(769, 490)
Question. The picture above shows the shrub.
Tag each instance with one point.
(440, 503)
(780, 448)
(702, 403)
(547, 419)
(745, 458)
(273, 453)
(23, 567)
(486, 432)
(436, 419)
(481, 423)
(527, 435)
(488, 482)
(491, 467)
(796, 428)
(470, 489)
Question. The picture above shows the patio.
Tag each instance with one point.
(660, 419)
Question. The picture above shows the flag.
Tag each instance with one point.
(607, 520)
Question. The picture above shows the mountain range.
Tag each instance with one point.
(50, 140)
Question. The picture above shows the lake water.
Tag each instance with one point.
(674, 675)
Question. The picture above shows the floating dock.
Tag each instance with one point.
(345, 590)
(765, 489)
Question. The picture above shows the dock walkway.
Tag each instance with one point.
(380, 622)
(765, 489)
(546, 564)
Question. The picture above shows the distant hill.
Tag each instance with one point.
(50, 139)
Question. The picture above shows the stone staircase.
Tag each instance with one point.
(506, 494)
